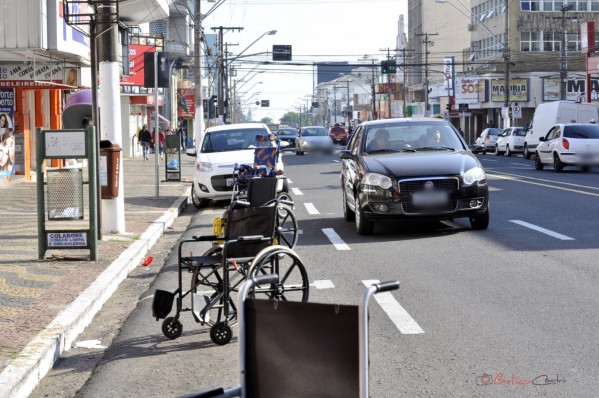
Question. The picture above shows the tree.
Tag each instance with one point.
(266, 120)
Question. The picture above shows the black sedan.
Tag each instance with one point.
(288, 134)
(411, 169)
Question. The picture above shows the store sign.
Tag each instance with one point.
(38, 76)
(519, 89)
(574, 89)
(136, 68)
(448, 72)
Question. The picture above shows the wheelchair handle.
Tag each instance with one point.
(386, 286)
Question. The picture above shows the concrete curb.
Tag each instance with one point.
(23, 374)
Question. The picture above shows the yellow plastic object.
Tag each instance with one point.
(218, 226)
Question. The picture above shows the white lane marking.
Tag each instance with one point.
(311, 208)
(296, 191)
(336, 161)
(517, 178)
(335, 239)
(542, 230)
(323, 284)
(289, 180)
(398, 315)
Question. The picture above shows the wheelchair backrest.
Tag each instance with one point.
(249, 221)
(301, 350)
(261, 190)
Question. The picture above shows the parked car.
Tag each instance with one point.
(423, 169)
(287, 134)
(569, 145)
(313, 139)
(510, 141)
(338, 134)
(549, 114)
(487, 139)
(221, 148)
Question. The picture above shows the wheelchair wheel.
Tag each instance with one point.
(172, 328)
(293, 282)
(221, 333)
(286, 230)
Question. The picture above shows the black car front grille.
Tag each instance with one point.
(408, 187)
(219, 183)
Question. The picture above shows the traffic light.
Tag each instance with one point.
(388, 66)
(212, 107)
(448, 107)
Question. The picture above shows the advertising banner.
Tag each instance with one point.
(7, 137)
(468, 90)
(38, 75)
(519, 89)
(186, 103)
(134, 83)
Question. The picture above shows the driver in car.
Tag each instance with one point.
(380, 140)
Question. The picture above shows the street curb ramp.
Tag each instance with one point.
(22, 375)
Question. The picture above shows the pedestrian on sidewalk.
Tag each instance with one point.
(145, 138)
(161, 139)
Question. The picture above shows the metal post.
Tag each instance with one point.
(563, 70)
(156, 127)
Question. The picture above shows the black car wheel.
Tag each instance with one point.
(363, 226)
(508, 153)
(538, 163)
(480, 221)
(199, 203)
(558, 166)
(497, 150)
(527, 153)
(348, 214)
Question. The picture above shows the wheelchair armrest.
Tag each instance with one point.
(251, 238)
(240, 202)
(203, 238)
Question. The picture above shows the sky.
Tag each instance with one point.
(317, 30)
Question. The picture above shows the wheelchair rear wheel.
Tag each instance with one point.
(286, 229)
(293, 284)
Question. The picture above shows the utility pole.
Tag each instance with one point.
(221, 64)
(113, 210)
(198, 122)
(563, 65)
(426, 43)
(506, 56)
(373, 95)
(404, 69)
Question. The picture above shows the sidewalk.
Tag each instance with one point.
(44, 305)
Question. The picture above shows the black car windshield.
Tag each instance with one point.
(288, 132)
(581, 131)
(234, 140)
(314, 132)
(412, 136)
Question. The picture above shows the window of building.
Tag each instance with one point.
(551, 41)
(530, 5)
(594, 5)
(530, 41)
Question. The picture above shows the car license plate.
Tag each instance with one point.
(229, 182)
(430, 198)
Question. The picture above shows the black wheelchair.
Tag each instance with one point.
(246, 249)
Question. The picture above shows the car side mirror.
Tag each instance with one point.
(542, 139)
(345, 154)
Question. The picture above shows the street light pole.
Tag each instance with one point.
(506, 56)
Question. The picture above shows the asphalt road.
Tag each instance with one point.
(507, 312)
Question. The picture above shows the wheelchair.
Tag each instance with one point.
(324, 347)
(246, 249)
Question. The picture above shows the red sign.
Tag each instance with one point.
(186, 103)
(136, 65)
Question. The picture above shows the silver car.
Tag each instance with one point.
(313, 139)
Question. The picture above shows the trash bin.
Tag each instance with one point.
(109, 169)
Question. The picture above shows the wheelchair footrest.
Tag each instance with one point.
(162, 304)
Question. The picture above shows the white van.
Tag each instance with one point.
(548, 114)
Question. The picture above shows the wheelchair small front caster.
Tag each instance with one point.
(221, 333)
(172, 328)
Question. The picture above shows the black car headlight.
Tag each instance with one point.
(377, 180)
(474, 175)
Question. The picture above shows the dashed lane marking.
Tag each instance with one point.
(296, 191)
(398, 315)
(311, 208)
(542, 230)
(335, 239)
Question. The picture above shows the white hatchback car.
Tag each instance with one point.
(510, 141)
(221, 148)
(569, 145)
